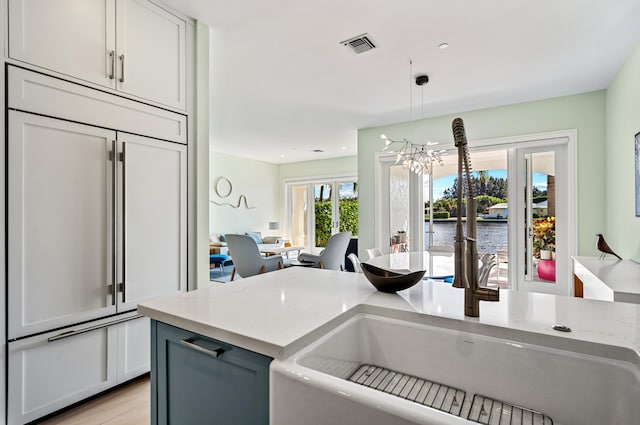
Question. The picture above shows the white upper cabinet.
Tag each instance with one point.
(133, 46)
(151, 52)
(74, 37)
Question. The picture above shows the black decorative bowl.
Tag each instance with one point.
(388, 281)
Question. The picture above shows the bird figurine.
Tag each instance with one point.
(604, 247)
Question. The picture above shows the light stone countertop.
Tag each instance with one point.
(621, 276)
(279, 313)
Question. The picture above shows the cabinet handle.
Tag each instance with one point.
(71, 333)
(112, 56)
(122, 68)
(113, 222)
(215, 353)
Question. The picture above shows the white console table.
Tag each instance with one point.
(609, 279)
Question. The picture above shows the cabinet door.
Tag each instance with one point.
(60, 227)
(134, 348)
(151, 44)
(47, 373)
(154, 227)
(73, 37)
(192, 384)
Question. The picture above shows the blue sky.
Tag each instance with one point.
(439, 185)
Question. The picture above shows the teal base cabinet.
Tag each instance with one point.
(196, 380)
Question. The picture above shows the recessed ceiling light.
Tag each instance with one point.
(443, 46)
(344, 148)
(281, 156)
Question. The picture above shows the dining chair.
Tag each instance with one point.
(356, 262)
(374, 252)
(247, 260)
(332, 256)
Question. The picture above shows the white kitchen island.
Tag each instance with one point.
(277, 314)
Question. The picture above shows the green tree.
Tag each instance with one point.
(348, 219)
(491, 186)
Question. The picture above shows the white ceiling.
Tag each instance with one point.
(282, 84)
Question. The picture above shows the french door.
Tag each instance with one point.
(319, 209)
(538, 212)
(544, 232)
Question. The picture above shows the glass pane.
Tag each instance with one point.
(399, 208)
(323, 210)
(299, 215)
(542, 207)
(489, 181)
(348, 207)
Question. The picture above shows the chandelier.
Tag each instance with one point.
(418, 158)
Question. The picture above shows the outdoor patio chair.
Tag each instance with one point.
(374, 252)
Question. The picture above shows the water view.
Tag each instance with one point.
(492, 235)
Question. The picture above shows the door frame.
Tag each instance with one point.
(566, 234)
(333, 179)
(510, 144)
(383, 161)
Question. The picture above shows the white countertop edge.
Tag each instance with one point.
(546, 338)
(252, 344)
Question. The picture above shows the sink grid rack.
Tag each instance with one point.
(485, 410)
(482, 409)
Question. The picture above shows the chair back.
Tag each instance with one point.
(333, 254)
(374, 252)
(245, 254)
(356, 262)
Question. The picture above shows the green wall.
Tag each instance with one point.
(584, 112)
(623, 122)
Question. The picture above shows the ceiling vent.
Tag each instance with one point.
(359, 44)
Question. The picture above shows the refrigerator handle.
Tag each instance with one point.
(114, 230)
(123, 284)
(71, 333)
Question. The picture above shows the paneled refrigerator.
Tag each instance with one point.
(96, 223)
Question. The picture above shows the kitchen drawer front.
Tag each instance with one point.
(192, 387)
(46, 374)
(134, 348)
(41, 94)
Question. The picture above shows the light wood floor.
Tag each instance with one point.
(128, 405)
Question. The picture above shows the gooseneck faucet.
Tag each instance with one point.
(466, 262)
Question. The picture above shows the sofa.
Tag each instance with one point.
(218, 245)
